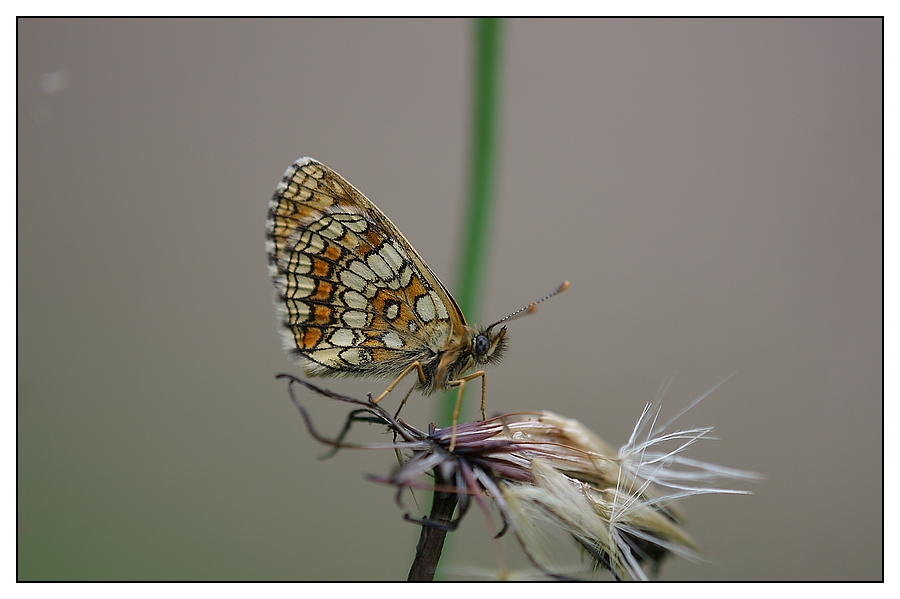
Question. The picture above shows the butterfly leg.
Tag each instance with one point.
(461, 383)
(415, 365)
(403, 403)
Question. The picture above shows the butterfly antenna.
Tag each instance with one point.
(532, 307)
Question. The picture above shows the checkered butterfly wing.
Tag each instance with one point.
(353, 295)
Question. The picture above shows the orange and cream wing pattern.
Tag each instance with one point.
(353, 295)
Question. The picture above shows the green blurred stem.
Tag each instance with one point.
(483, 174)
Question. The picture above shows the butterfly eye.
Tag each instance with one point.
(482, 345)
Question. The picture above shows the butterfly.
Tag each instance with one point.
(356, 299)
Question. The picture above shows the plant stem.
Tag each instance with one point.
(470, 271)
(485, 125)
(431, 540)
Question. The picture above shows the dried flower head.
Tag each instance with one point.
(544, 472)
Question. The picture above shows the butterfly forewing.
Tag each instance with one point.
(353, 294)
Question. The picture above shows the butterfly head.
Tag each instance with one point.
(488, 345)
(483, 345)
(474, 348)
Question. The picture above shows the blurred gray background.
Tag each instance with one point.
(712, 189)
